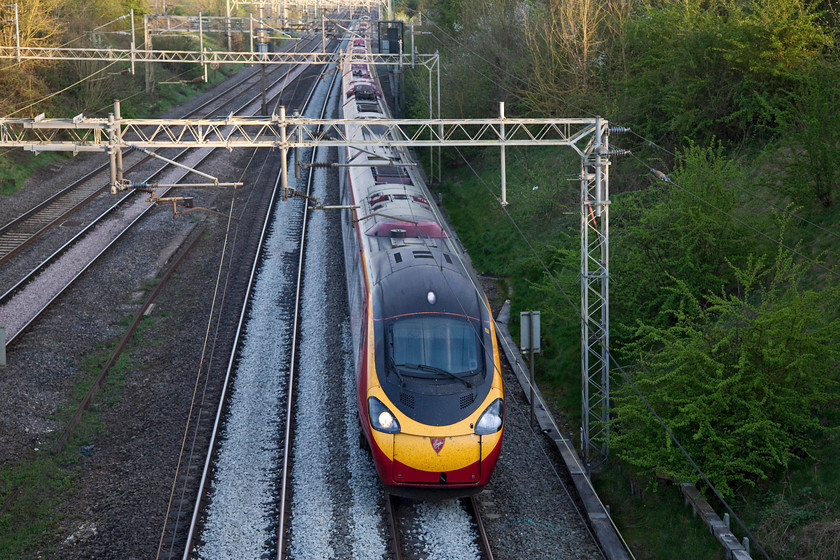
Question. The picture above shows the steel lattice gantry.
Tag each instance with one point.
(111, 135)
(594, 295)
(203, 57)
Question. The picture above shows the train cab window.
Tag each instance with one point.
(435, 347)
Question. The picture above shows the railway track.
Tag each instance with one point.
(301, 500)
(32, 294)
(399, 518)
(58, 271)
(290, 400)
(234, 371)
(349, 524)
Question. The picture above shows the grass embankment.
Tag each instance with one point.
(793, 511)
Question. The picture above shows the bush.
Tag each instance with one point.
(738, 379)
(703, 69)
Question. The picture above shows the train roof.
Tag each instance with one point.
(400, 228)
(405, 287)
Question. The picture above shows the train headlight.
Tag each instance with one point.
(381, 419)
(490, 421)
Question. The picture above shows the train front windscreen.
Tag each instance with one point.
(435, 346)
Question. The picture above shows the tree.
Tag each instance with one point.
(563, 37)
(38, 22)
(738, 379)
(719, 68)
(38, 26)
(480, 60)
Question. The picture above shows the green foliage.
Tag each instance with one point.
(638, 513)
(564, 38)
(479, 65)
(738, 379)
(16, 168)
(797, 514)
(811, 155)
(740, 375)
(444, 12)
(801, 528)
(42, 480)
(496, 249)
(719, 68)
(138, 6)
(683, 229)
(81, 16)
(21, 84)
(33, 518)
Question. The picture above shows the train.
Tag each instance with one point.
(428, 377)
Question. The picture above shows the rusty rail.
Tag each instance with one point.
(94, 388)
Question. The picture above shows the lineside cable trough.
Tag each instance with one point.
(719, 528)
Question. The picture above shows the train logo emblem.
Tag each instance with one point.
(437, 444)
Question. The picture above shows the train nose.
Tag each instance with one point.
(426, 460)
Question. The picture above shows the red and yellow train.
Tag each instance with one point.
(430, 395)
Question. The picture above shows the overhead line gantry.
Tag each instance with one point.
(589, 137)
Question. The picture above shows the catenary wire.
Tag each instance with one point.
(197, 378)
(624, 374)
(89, 76)
(566, 443)
(73, 40)
(213, 344)
(612, 358)
(501, 340)
(669, 181)
(737, 186)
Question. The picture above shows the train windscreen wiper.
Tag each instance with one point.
(434, 369)
(395, 367)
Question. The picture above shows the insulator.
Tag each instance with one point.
(619, 152)
(619, 130)
(660, 175)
